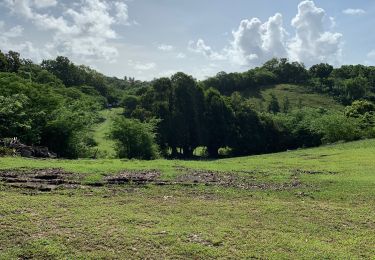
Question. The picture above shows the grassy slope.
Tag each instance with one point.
(106, 146)
(332, 216)
(294, 94)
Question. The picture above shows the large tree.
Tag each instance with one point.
(218, 122)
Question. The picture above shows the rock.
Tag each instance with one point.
(25, 150)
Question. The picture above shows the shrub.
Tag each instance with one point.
(134, 138)
(5, 151)
(336, 127)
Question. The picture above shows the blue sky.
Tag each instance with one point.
(154, 38)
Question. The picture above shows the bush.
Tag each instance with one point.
(5, 151)
(134, 138)
(336, 127)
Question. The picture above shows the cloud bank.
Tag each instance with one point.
(255, 42)
(84, 30)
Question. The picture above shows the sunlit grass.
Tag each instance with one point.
(330, 217)
(106, 146)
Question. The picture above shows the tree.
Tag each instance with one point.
(130, 103)
(273, 106)
(286, 104)
(359, 108)
(247, 137)
(321, 71)
(162, 108)
(64, 69)
(285, 71)
(3, 62)
(67, 131)
(336, 127)
(218, 120)
(14, 121)
(355, 88)
(134, 138)
(187, 103)
(13, 60)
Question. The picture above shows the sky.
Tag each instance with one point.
(148, 39)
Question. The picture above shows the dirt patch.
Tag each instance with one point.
(198, 239)
(202, 176)
(39, 179)
(301, 171)
(53, 178)
(134, 177)
(230, 179)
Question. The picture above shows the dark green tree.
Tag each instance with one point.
(3, 62)
(273, 105)
(187, 109)
(218, 122)
(13, 60)
(134, 138)
(286, 104)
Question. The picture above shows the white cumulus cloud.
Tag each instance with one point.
(84, 30)
(140, 66)
(45, 3)
(9, 40)
(352, 11)
(181, 55)
(312, 43)
(255, 42)
(165, 47)
(201, 47)
(122, 12)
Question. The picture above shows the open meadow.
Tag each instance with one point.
(308, 203)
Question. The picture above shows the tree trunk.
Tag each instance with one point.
(188, 152)
(213, 151)
(174, 152)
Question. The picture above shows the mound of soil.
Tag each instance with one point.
(39, 179)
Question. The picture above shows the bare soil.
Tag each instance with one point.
(53, 178)
(246, 180)
(40, 179)
(134, 177)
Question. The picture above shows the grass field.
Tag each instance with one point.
(306, 204)
(106, 146)
(299, 96)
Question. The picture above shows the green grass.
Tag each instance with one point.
(106, 146)
(297, 95)
(331, 216)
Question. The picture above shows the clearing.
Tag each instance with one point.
(298, 96)
(105, 146)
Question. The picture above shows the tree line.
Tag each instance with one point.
(56, 104)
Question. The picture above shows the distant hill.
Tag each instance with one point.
(297, 95)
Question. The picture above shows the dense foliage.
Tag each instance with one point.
(134, 139)
(56, 104)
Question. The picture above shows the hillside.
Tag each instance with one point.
(308, 203)
(297, 95)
